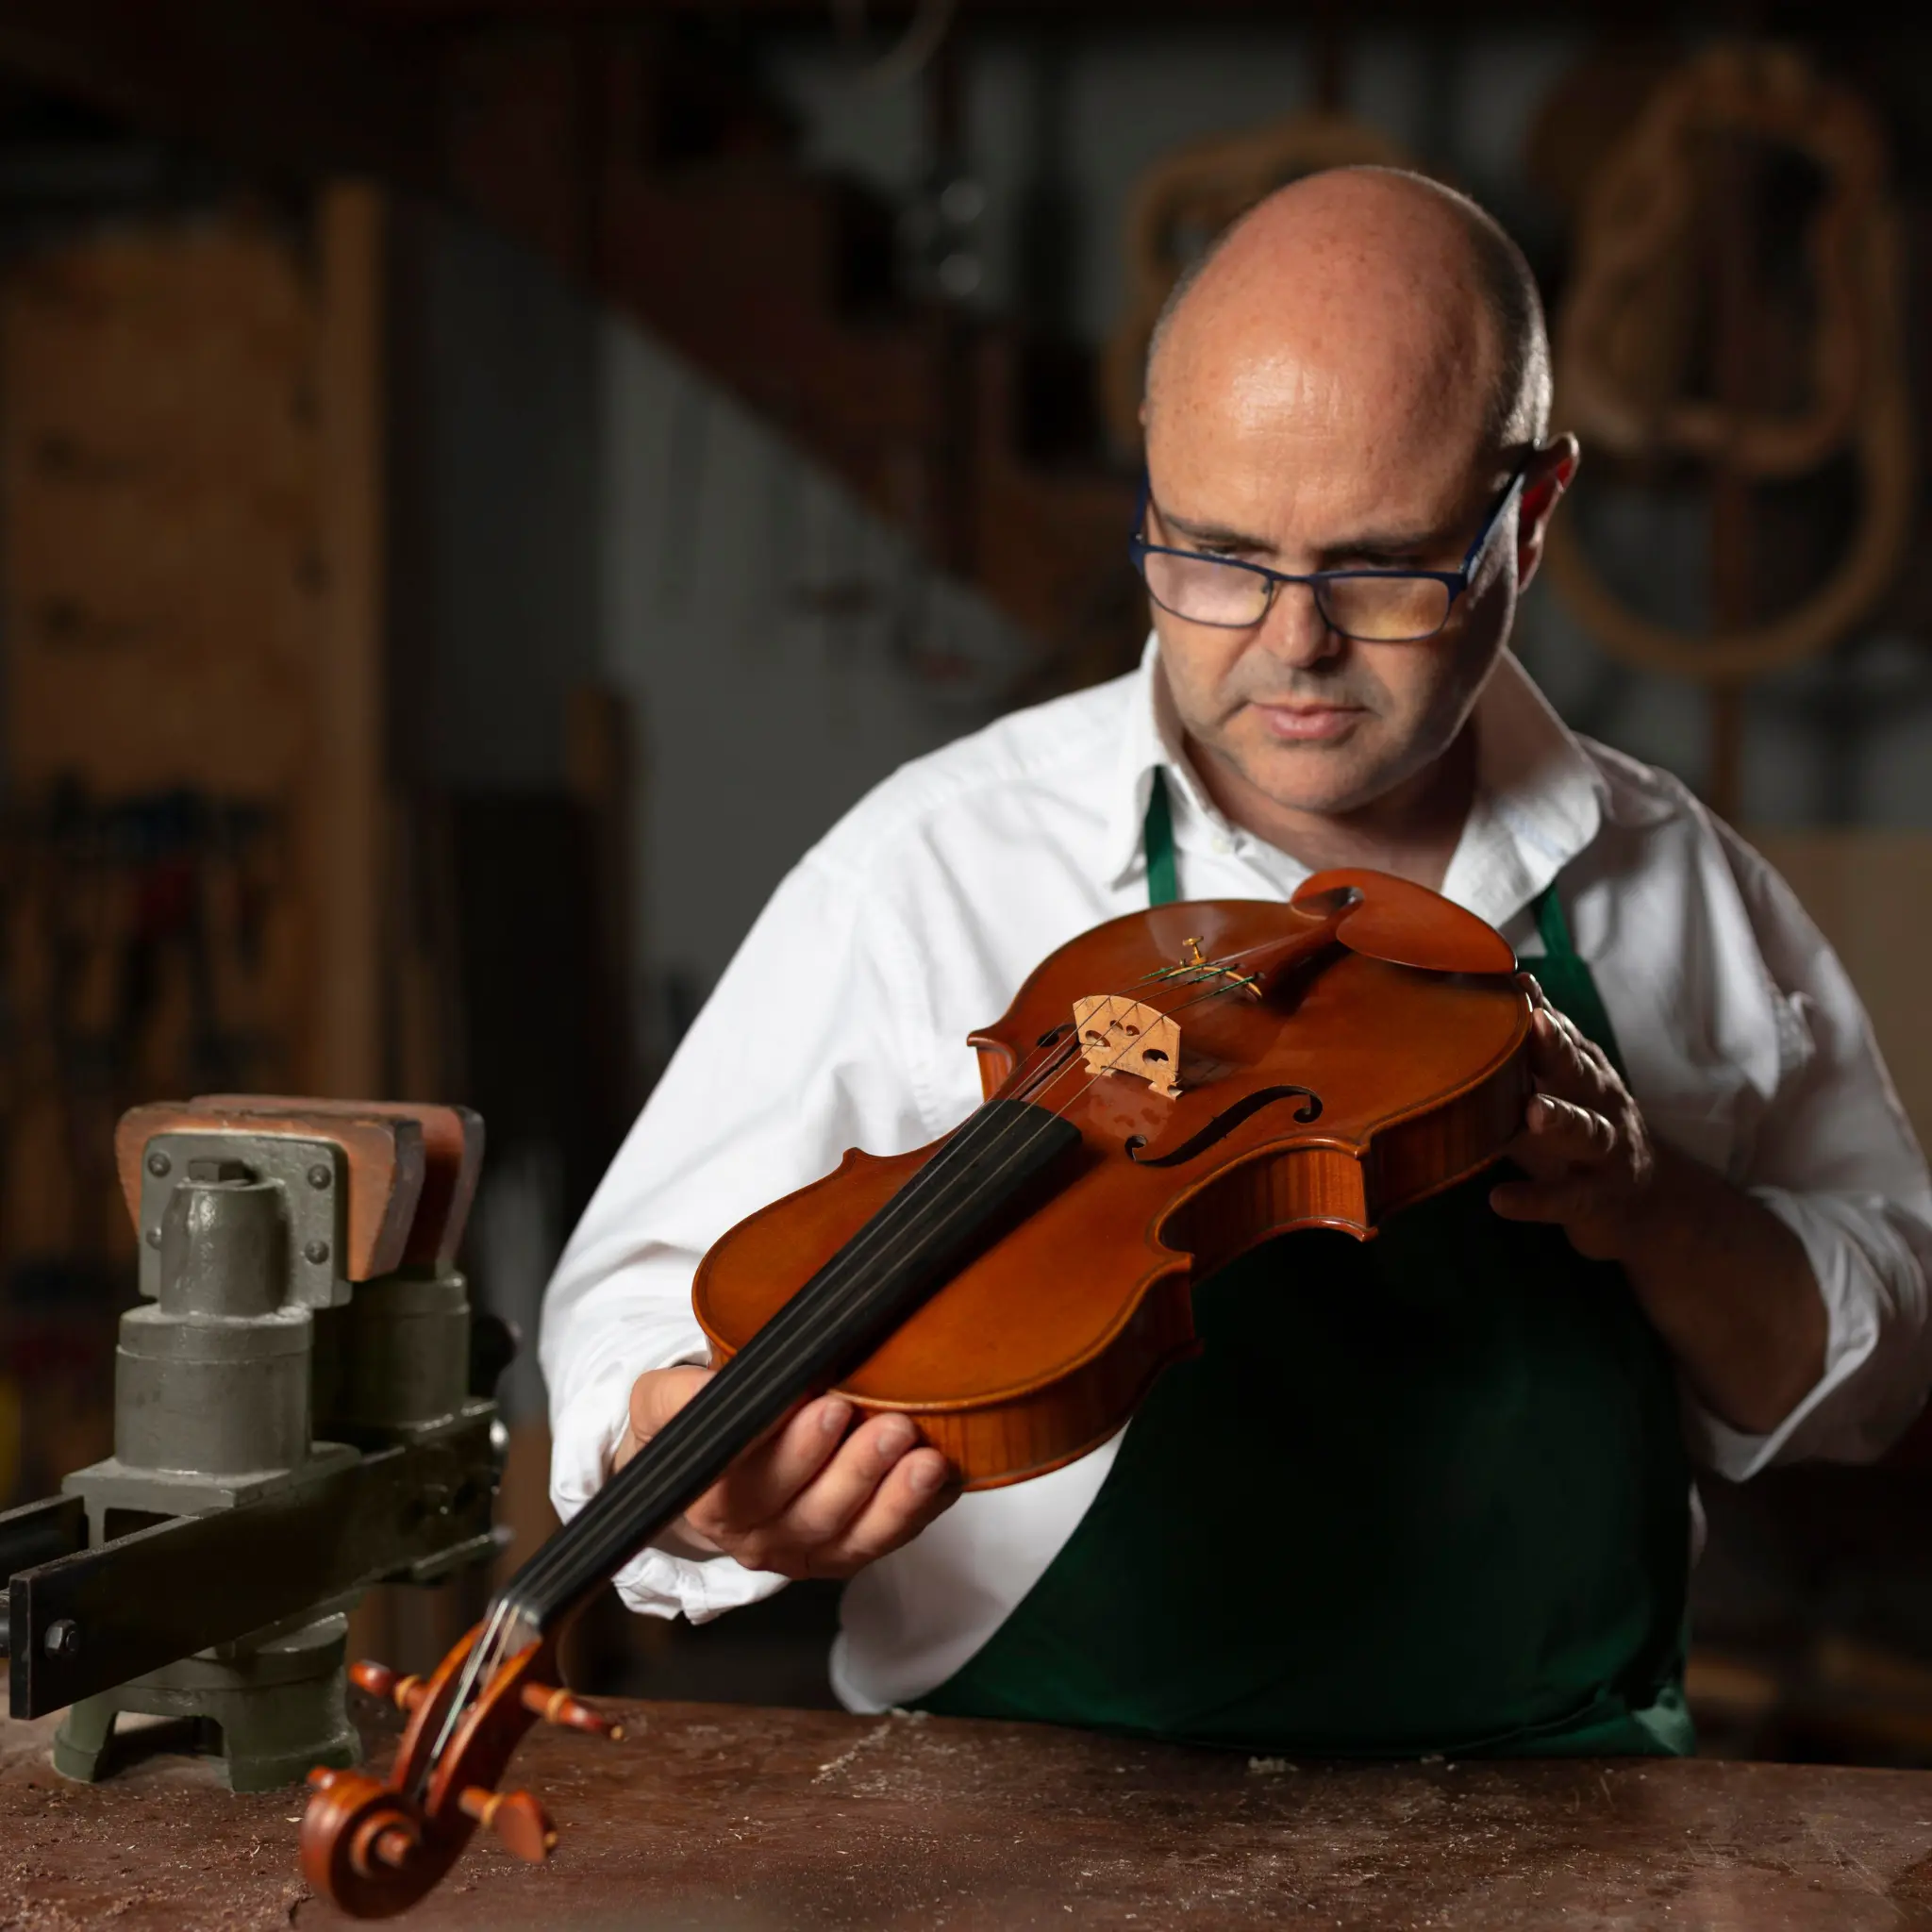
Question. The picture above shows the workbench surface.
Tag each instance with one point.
(734, 1819)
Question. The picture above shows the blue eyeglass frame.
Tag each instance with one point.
(1457, 581)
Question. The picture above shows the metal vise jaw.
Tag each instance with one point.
(294, 1421)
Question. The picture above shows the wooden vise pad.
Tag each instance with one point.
(410, 1170)
(452, 1160)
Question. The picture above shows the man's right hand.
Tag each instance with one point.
(810, 1499)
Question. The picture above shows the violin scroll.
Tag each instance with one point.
(373, 1846)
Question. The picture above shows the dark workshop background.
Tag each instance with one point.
(483, 485)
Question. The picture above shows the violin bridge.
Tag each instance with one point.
(1122, 1036)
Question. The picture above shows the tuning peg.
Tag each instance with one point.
(515, 1816)
(560, 1707)
(394, 1845)
(405, 1693)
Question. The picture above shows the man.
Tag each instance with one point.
(1426, 1493)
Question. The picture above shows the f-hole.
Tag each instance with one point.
(1225, 1124)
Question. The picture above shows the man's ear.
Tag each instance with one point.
(1551, 470)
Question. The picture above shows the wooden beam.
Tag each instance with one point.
(287, 85)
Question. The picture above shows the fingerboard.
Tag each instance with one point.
(902, 1255)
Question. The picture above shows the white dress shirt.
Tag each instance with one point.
(842, 1022)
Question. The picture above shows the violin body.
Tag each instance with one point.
(1165, 1092)
(1350, 1093)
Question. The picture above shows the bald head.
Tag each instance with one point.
(1353, 385)
(1369, 277)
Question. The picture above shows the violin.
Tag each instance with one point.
(1166, 1092)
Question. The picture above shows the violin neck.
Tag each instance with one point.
(902, 1257)
(1274, 964)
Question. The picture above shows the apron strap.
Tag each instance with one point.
(1156, 839)
(1552, 927)
(1567, 980)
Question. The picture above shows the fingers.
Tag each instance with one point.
(655, 1398)
(1567, 1202)
(810, 1499)
(878, 1490)
(1561, 1145)
(1555, 1053)
(1565, 1061)
(760, 1512)
(1549, 1020)
(1561, 1148)
(1583, 1148)
(1573, 1203)
(764, 1481)
(917, 1488)
(1587, 1050)
(1559, 1133)
(820, 1514)
(873, 1495)
(1574, 1179)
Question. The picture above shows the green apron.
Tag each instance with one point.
(1423, 1493)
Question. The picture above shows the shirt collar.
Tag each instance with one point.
(1540, 797)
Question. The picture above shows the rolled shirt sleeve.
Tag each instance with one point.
(1835, 1160)
(801, 1053)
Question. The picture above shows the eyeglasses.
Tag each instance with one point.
(1378, 607)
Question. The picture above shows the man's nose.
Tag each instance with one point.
(1295, 631)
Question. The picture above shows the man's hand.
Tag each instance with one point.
(1584, 1146)
(810, 1499)
(1725, 1282)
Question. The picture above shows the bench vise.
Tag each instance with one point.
(301, 1409)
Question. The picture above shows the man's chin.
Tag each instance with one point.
(1327, 780)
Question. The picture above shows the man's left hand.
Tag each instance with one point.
(1588, 1156)
(1723, 1280)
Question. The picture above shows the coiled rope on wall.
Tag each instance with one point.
(1621, 348)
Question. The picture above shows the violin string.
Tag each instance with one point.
(552, 1562)
(481, 1657)
(910, 1199)
(489, 1654)
(484, 1657)
(961, 1148)
(1220, 967)
(916, 1196)
(553, 1558)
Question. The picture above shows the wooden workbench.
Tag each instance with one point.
(776, 1821)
